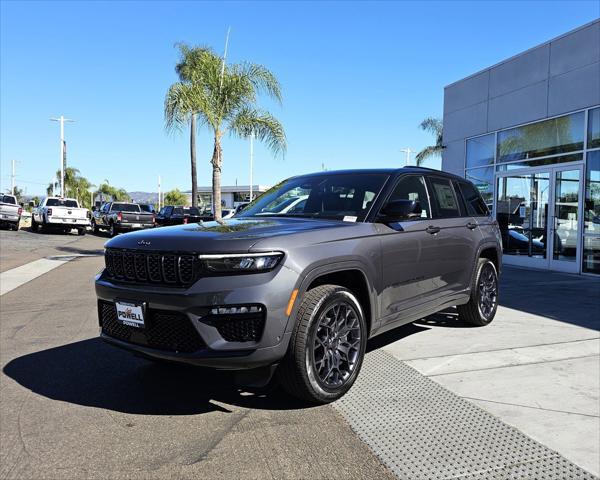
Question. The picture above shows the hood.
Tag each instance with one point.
(231, 235)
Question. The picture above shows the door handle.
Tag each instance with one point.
(433, 230)
(471, 226)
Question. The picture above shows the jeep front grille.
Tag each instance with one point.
(164, 330)
(144, 267)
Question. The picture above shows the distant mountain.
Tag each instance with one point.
(144, 197)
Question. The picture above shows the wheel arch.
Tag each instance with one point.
(350, 275)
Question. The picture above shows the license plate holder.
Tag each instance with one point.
(131, 313)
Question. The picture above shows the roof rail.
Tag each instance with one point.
(424, 168)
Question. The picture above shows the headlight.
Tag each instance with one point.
(241, 262)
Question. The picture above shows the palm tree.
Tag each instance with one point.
(76, 186)
(225, 99)
(181, 101)
(435, 127)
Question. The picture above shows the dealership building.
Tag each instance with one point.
(526, 131)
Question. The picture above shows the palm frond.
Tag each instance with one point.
(428, 152)
(265, 127)
(262, 79)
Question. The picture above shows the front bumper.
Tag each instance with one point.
(271, 290)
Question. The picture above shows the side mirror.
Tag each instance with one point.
(399, 210)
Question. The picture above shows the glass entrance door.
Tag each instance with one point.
(539, 213)
(565, 226)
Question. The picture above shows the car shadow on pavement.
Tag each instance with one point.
(81, 251)
(92, 373)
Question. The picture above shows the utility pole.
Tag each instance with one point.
(62, 121)
(159, 206)
(408, 151)
(12, 179)
(251, 161)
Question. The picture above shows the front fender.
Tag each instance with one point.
(327, 267)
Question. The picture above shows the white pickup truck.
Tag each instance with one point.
(10, 212)
(60, 213)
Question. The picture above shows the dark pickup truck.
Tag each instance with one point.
(172, 215)
(117, 217)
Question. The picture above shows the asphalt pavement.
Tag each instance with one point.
(431, 401)
(73, 407)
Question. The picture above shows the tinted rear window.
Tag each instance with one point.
(125, 207)
(57, 202)
(191, 211)
(444, 198)
(7, 199)
(475, 204)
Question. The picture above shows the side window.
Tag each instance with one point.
(162, 211)
(168, 211)
(412, 187)
(475, 204)
(444, 198)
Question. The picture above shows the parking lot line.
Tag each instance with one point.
(18, 276)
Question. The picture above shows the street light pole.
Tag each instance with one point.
(62, 121)
(408, 151)
(251, 161)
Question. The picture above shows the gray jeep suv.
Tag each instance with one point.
(296, 292)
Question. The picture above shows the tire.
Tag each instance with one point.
(95, 228)
(112, 230)
(14, 226)
(483, 304)
(81, 231)
(313, 342)
(34, 225)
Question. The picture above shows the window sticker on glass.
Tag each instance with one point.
(424, 214)
(445, 196)
(350, 218)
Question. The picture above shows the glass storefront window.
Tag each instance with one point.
(505, 167)
(592, 193)
(594, 128)
(591, 254)
(549, 137)
(522, 214)
(480, 151)
(483, 179)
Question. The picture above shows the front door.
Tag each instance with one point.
(566, 207)
(539, 213)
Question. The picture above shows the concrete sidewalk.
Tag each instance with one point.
(536, 367)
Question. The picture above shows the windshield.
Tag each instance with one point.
(8, 199)
(125, 207)
(320, 196)
(61, 202)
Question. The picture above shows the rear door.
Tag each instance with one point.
(456, 238)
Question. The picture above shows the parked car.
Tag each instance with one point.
(118, 217)
(147, 207)
(297, 295)
(57, 213)
(10, 212)
(175, 215)
(227, 212)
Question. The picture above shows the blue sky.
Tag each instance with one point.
(357, 79)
